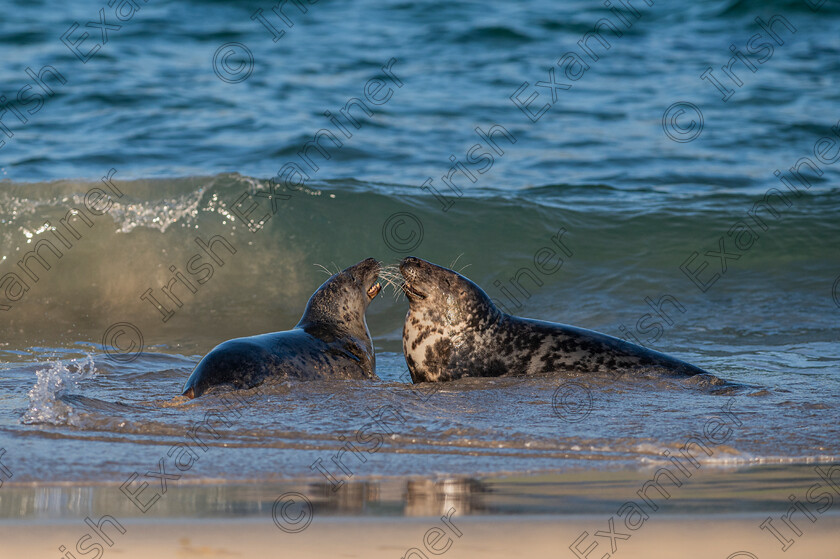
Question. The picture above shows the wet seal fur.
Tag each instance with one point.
(453, 330)
(330, 341)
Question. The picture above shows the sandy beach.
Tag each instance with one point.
(702, 537)
(720, 514)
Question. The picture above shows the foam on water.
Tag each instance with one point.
(59, 379)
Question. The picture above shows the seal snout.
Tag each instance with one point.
(408, 263)
(410, 270)
(367, 272)
(409, 267)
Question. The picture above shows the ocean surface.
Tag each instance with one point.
(174, 152)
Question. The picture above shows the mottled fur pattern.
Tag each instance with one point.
(454, 330)
(330, 341)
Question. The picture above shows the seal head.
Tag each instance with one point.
(448, 315)
(339, 305)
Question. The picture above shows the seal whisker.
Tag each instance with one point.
(392, 278)
(392, 281)
(451, 266)
(389, 271)
(389, 274)
(323, 269)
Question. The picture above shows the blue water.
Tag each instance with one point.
(149, 104)
(615, 156)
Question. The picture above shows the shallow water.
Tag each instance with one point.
(118, 421)
(632, 206)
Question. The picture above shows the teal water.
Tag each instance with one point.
(189, 159)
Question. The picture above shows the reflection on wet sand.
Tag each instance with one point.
(433, 498)
(380, 498)
(408, 498)
(574, 493)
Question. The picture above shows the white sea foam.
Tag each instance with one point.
(45, 404)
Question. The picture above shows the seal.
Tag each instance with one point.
(330, 341)
(453, 330)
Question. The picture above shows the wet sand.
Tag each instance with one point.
(530, 536)
(717, 514)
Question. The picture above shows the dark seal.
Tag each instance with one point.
(454, 330)
(330, 341)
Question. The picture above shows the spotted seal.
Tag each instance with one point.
(330, 341)
(454, 330)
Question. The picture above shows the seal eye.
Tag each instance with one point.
(374, 290)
